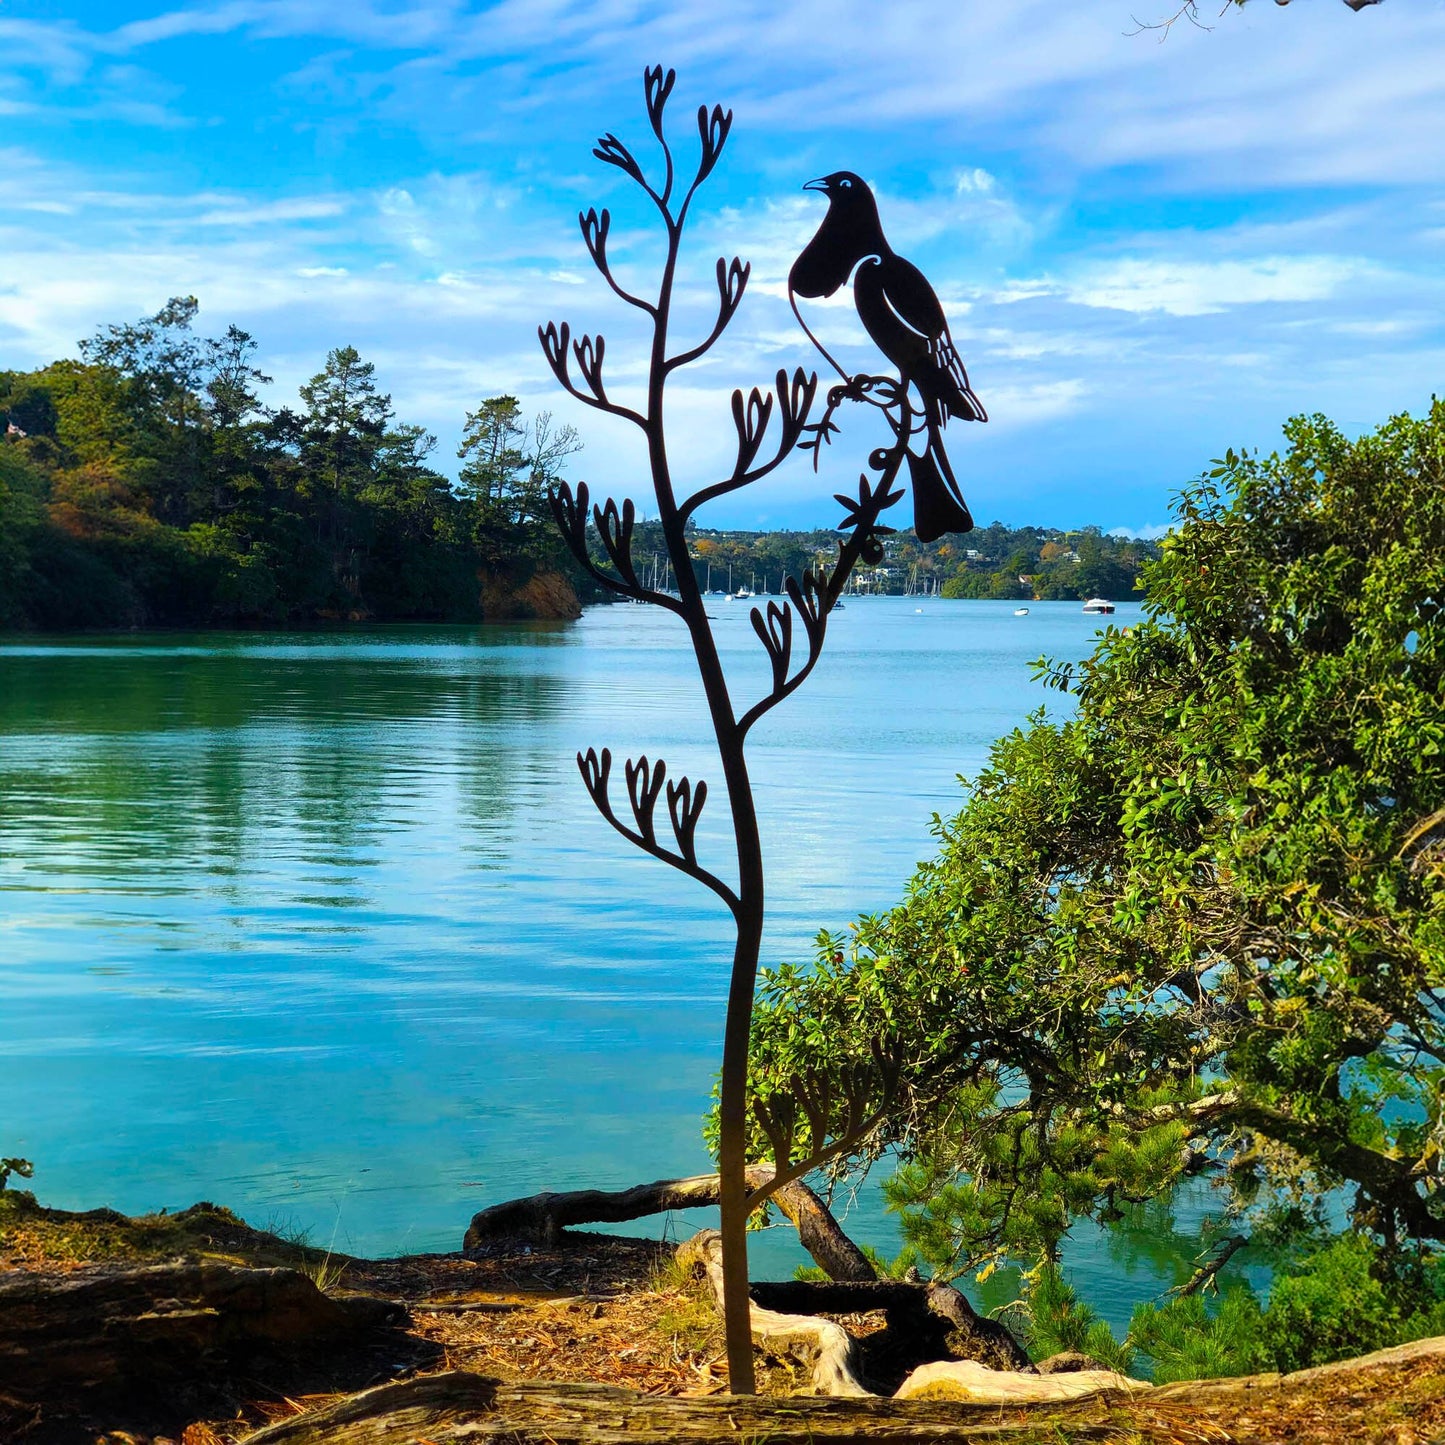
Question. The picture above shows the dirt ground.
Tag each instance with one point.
(616, 1311)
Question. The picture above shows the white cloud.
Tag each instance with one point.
(257, 213)
(1027, 404)
(1299, 97)
(1199, 288)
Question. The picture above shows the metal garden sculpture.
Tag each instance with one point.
(810, 1124)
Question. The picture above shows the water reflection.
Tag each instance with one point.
(325, 926)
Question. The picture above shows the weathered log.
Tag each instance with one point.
(1430, 1349)
(112, 1330)
(544, 1216)
(459, 1407)
(935, 1320)
(827, 1348)
(975, 1384)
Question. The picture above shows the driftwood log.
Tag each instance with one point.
(457, 1407)
(825, 1347)
(543, 1216)
(786, 1323)
(934, 1318)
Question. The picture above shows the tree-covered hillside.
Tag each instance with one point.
(145, 483)
(994, 561)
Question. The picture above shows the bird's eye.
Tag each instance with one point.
(847, 185)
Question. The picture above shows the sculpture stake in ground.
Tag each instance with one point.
(810, 1125)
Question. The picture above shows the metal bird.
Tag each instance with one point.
(903, 316)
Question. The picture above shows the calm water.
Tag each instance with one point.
(325, 928)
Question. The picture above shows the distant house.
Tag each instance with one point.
(973, 554)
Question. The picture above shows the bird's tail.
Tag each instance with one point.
(938, 505)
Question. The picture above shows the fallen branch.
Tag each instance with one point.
(1208, 1272)
(544, 1216)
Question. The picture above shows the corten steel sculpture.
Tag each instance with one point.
(806, 1125)
(902, 314)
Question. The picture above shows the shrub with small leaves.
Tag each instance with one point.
(21, 1167)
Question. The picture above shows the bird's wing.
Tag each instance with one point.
(946, 354)
(914, 302)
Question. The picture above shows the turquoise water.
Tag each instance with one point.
(324, 927)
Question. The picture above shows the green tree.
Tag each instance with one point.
(342, 433)
(508, 468)
(493, 459)
(1199, 927)
(345, 422)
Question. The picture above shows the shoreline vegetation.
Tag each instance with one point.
(145, 484)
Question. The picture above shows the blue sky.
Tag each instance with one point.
(1148, 252)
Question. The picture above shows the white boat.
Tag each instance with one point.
(1021, 611)
(837, 606)
(1099, 606)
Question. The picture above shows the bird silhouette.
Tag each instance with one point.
(902, 314)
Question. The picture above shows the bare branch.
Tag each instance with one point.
(795, 399)
(555, 341)
(713, 129)
(1208, 1273)
(656, 88)
(596, 771)
(732, 278)
(594, 236)
(570, 514)
(816, 595)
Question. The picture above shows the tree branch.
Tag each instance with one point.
(731, 282)
(1208, 1272)
(596, 771)
(594, 237)
(842, 1145)
(589, 355)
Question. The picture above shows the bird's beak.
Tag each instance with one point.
(818, 185)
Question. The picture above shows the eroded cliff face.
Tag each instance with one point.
(541, 596)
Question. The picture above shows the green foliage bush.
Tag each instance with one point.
(21, 1167)
(1344, 1299)
(1056, 1320)
(1195, 929)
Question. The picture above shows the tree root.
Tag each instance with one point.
(827, 1347)
(927, 1321)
